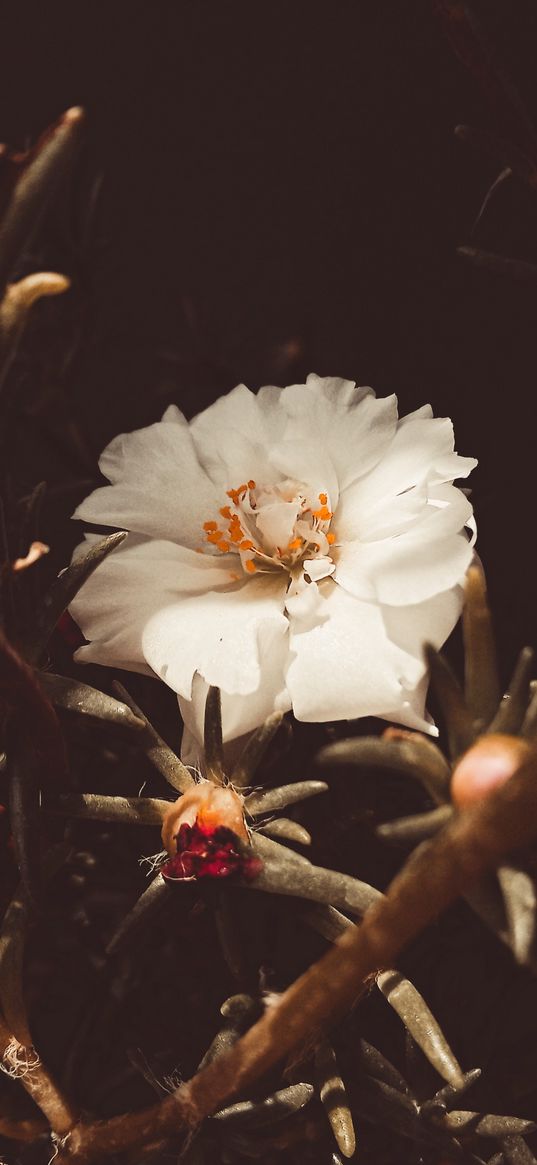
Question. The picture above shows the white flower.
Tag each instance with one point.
(294, 547)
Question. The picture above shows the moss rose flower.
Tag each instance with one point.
(295, 547)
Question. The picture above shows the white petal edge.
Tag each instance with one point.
(233, 435)
(347, 666)
(348, 423)
(420, 453)
(431, 557)
(129, 588)
(158, 488)
(411, 628)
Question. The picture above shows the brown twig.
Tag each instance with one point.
(435, 876)
(22, 1063)
(15, 308)
(36, 188)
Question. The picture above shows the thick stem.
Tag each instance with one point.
(435, 876)
(22, 1063)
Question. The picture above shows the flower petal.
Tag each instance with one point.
(429, 622)
(308, 462)
(347, 666)
(305, 605)
(390, 518)
(158, 486)
(240, 713)
(347, 422)
(411, 628)
(232, 436)
(256, 416)
(421, 451)
(276, 523)
(226, 636)
(129, 587)
(430, 557)
(173, 416)
(424, 412)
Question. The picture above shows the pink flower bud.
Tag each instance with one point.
(489, 763)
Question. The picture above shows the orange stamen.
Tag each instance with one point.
(295, 544)
(247, 545)
(235, 494)
(324, 514)
(251, 484)
(250, 566)
(210, 525)
(330, 538)
(235, 533)
(323, 498)
(225, 512)
(223, 546)
(214, 536)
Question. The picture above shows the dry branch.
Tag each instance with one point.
(435, 876)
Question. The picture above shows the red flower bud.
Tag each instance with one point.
(206, 835)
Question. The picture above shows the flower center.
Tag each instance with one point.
(277, 527)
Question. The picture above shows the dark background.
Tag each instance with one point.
(266, 190)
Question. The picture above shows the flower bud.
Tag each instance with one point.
(208, 806)
(489, 763)
(206, 836)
